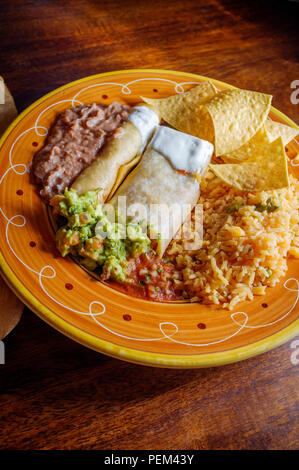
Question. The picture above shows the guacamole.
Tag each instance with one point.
(90, 235)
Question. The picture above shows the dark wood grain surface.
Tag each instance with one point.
(55, 393)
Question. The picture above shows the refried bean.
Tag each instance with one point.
(73, 143)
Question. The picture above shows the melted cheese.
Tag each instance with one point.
(145, 120)
(183, 151)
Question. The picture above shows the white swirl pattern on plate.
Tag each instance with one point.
(162, 326)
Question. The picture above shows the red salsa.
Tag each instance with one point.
(151, 278)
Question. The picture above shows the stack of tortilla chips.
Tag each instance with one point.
(236, 121)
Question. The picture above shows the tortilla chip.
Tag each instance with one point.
(8, 110)
(265, 172)
(248, 150)
(181, 110)
(237, 115)
(276, 129)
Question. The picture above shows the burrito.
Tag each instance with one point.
(120, 154)
(162, 190)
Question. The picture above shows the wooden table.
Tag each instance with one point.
(58, 394)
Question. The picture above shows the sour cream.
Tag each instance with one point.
(183, 151)
(145, 120)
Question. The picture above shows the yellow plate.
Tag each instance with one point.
(64, 295)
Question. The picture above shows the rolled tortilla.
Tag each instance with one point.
(120, 154)
(164, 188)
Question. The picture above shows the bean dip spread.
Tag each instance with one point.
(73, 143)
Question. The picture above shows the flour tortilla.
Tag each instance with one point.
(162, 196)
(113, 163)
